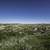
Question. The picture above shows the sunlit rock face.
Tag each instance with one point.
(2, 27)
(35, 29)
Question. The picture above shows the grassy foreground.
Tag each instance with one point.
(24, 36)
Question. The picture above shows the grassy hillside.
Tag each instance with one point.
(24, 36)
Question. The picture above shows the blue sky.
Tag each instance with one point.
(24, 11)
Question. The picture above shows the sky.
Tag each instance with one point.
(25, 11)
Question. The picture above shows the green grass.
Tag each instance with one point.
(24, 37)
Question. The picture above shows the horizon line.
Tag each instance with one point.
(23, 23)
